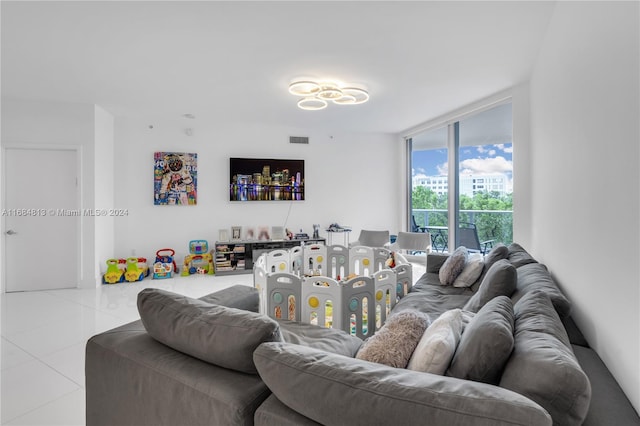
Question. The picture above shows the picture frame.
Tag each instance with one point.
(223, 235)
(249, 233)
(277, 233)
(266, 179)
(236, 233)
(175, 178)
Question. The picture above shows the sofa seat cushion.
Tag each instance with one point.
(217, 334)
(272, 412)
(535, 276)
(542, 366)
(336, 390)
(314, 336)
(485, 344)
(500, 280)
(433, 300)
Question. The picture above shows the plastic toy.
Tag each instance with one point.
(199, 261)
(136, 270)
(115, 271)
(165, 265)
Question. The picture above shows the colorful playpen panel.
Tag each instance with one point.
(291, 288)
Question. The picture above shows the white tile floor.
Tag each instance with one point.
(44, 335)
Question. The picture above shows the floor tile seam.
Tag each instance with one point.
(32, 356)
(40, 406)
(48, 353)
(58, 296)
(80, 385)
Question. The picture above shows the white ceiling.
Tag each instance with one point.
(233, 61)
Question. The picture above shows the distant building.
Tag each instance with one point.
(469, 184)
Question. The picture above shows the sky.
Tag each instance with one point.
(477, 160)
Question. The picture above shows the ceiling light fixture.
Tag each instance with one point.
(316, 95)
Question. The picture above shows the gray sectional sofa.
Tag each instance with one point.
(216, 361)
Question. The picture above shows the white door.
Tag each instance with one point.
(41, 217)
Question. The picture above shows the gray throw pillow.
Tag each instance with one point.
(396, 340)
(500, 280)
(453, 266)
(438, 344)
(216, 334)
(471, 272)
(498, 252)
(485, 344)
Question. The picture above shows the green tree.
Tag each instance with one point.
(491, 226)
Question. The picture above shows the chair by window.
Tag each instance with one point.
(468, 234)
(413, 245)
(370, 238)
(414, 225)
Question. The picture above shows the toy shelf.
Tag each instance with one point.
(237, 257)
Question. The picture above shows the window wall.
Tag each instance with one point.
(461, 184)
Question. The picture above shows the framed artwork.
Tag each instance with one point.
(236, 232)
(266, 179)
(175, 178)
(277, 233)
(223, 235)
(249, 233)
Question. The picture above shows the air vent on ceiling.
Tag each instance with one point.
(298, 139)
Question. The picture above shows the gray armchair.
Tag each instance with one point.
(372, 239)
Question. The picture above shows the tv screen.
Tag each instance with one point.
(266, 179)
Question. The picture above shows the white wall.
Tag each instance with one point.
(26, 122)
(104, 156)
(585, 181)
(351, 179)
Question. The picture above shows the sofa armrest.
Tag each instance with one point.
(379, 394)
(132, 379)
(237, 296)
(435, 261)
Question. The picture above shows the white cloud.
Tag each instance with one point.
(418, 171)
(492, 152)
(478, 166)
(443, 169)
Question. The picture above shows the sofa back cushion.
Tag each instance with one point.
(518, 256)
(216, 334)
(535, 276)
(543, 366)
(500, 280)
(336, 390)
(486, 343)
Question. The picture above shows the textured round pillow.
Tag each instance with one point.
(453, 266)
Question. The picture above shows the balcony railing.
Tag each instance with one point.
(494, 225)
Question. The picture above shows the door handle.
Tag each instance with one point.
(11, 232)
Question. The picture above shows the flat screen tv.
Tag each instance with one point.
(266, 179)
